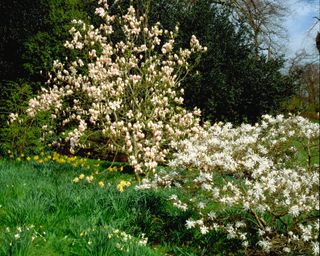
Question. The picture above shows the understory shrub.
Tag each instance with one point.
(19, 133)
(258, 184)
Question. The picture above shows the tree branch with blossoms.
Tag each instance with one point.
(128, 92)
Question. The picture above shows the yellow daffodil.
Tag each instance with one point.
(101, 184)
(89, 179)
(122, 185)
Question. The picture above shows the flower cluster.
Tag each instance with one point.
(74, 161)
(257, 171)
(123, 241)
(96, 168)
(124, 237)
(247, 149)
(93, 178)
(127, 93)
(160, 179)
(88, 179)
(24, 232)
(123, 184)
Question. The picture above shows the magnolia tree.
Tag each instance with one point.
(274, 196)
(127, 93)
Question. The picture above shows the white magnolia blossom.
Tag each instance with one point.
(268, 179)
(127, 93)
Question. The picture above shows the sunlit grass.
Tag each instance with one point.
(42, 212)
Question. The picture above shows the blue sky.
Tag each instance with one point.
(299, 23)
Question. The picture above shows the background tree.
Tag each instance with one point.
(263, 19)
(46, 45)
(305, 74)
(33, 34)
(233, 83)
(19, 21)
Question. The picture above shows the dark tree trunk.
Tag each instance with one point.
(318, 41)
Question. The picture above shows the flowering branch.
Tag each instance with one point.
(128, 92)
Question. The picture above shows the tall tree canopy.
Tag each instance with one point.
(19, 21)
(233, 83)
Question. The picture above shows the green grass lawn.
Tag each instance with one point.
(42, 212)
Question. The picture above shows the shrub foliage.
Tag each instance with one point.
(127, 95)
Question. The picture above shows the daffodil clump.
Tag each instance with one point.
(89, 179)
(45, 157)
(273, 193)
(27, 233)
(97, 176)
(123, 241)
(123, 184)
(94, 169)
(127, 94)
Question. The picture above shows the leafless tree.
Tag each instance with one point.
(264, 19)
(307, 74)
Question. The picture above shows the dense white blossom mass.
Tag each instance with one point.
(262, 178)
(127, 93)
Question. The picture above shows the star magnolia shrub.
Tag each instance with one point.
(127, 93)
(274, 196)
